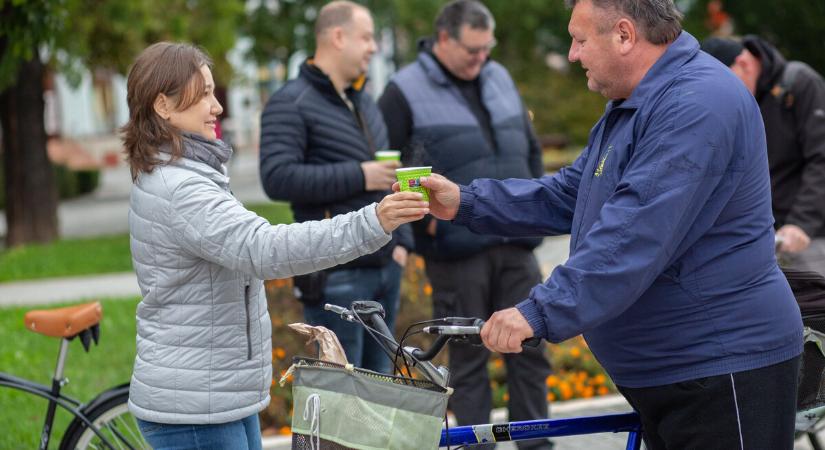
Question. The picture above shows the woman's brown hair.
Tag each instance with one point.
(164, 68)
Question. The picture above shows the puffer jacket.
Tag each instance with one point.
(203, 331)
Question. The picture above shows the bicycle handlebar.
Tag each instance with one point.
(465, 329)
(470, 333)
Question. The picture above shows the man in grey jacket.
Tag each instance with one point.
(460, 112)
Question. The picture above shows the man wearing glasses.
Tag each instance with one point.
(458, 111)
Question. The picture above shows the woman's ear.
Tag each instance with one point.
(162, 106)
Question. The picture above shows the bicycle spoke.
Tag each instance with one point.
(114, 437)
(137, 438)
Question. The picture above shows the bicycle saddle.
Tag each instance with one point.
(64, 322)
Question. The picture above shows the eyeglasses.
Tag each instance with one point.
(487, 48)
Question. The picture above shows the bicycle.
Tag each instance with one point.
(104, 422)
(370, 315)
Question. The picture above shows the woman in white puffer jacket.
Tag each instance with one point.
(203, 366)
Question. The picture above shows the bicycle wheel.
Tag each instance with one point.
(110, 414)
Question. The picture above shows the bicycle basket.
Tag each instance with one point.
(342, 407)
(811, 395)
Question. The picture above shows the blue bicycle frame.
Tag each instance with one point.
(533, 429)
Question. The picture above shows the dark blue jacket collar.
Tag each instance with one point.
(678, 53)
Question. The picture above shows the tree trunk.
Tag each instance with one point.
(31, 195)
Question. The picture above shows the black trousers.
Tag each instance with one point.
(494, 279)
(750, 410)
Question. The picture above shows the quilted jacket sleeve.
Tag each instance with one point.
(212, 224)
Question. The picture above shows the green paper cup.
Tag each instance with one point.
(388, 155)
(409, 179)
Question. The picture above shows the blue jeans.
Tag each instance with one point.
(381, 284)
(244, 434)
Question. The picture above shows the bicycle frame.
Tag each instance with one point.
(54, 397)
(533, 429)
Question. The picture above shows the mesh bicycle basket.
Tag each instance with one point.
(343, 407)
(809, 290)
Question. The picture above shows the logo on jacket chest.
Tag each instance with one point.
(600, 168)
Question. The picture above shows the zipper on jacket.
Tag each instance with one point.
(248, 322)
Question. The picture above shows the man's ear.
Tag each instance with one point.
(442, 37)
(625, 35)
(161, 106)
(336, 37)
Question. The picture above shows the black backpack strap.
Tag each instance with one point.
(783, 90)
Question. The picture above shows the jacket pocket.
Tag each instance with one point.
(248, 322)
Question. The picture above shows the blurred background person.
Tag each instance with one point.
(458, 111)
(791, 97)
(319, 134)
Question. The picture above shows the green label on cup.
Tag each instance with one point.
(388, 155)
(409, 179)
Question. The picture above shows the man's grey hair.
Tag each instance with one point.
(658, 20)
(458, 13)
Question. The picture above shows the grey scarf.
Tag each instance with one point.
(198, 148)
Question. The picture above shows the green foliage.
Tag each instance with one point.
(561, 103)
(794, 27)
(111, 34)
(281, 28)
(25, 26)
(71, 183)
(28, 355)
(106, 254)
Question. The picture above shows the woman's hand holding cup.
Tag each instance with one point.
(400, 208)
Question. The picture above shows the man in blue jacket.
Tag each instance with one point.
(458, 111)
(672, 276)
(319, 134)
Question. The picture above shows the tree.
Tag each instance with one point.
(36, 35)
(31, 202)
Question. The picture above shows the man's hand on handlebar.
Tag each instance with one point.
(506, 331)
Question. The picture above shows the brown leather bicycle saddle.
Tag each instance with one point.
(64, 322)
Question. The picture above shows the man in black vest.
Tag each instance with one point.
(791, 97)
(459, 112)
(319, 134)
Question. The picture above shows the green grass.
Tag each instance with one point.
(108, 254)
(32, 356)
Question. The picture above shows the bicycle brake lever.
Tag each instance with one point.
(341, 311)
